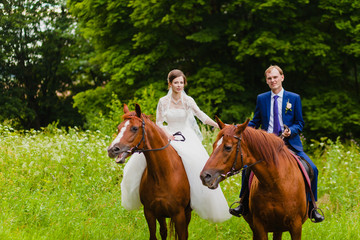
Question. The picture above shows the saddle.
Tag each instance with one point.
(307, 167)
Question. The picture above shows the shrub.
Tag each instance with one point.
(331, 114)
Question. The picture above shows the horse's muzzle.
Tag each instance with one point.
(211, 179)
(120, 154)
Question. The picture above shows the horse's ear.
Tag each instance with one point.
(126, 109)
(138, 110)
(219, 122)
(241, 127)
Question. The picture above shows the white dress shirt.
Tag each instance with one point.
(279, 101)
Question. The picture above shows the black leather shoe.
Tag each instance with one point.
(238, 211)
(316, 217)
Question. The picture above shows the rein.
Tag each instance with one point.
(136, 148)
(233, 171)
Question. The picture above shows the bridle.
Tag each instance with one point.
(136, 148)
(233, 171)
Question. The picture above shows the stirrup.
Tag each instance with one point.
(237, 211)
(239, 202)
(319, 211)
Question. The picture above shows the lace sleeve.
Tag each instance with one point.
(200, 114)
(160, 113)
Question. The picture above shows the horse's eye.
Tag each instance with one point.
(134, 129)
(227, 148)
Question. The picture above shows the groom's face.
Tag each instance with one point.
(274, 79)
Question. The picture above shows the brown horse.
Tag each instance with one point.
(277, 201)
(164, 187)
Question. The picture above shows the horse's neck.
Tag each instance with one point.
(276, 176)
(158, 161)
(267, 172)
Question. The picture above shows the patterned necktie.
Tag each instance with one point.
(277, 127)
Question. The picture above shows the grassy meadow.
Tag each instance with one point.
(57, 184)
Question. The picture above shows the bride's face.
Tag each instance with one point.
(178, 84)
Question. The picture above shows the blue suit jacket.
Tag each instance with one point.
(292, 118)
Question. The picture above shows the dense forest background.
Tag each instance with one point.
(75, 63)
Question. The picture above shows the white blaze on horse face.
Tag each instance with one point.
(121, 134)
(219, 142)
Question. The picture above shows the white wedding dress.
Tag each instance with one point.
(208, 204)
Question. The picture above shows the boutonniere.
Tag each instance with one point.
(288, 106)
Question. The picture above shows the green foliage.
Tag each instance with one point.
(93, 100)
(214, 94)
(333, 157)
(147, 98)
(345, 16)
(162, 38)
(101, 112)
(102, 109)
(42, 58)
(223, 47)
(55, 178)
(331, 113)
(57, 184)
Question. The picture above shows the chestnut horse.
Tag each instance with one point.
(277, 200)
(164, 187)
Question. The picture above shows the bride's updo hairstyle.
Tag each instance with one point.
(174, 74)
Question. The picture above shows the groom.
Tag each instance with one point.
(273, 110)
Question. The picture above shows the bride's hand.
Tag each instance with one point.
(170, 137)
(215, 127)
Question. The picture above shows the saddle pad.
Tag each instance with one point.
(302, 168)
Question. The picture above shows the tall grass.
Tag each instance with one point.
(57, 184)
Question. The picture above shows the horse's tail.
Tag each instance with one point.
(172, 230)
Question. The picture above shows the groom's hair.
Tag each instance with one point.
(272, 67)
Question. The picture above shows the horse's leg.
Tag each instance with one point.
(163, 228)
(259, 232)
(181, 225)
(260, 236)
(295, 231)
(151, 221)
(188, 215)
(277, 235)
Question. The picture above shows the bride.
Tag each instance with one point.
(177, 110)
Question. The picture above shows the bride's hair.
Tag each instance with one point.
(174, 74)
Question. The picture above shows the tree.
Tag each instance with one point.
(224, 47)
(40, 48)
(139, 42)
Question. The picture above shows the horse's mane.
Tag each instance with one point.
(265, 146)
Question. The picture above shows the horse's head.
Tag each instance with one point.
(130, 134)
(226, 157)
